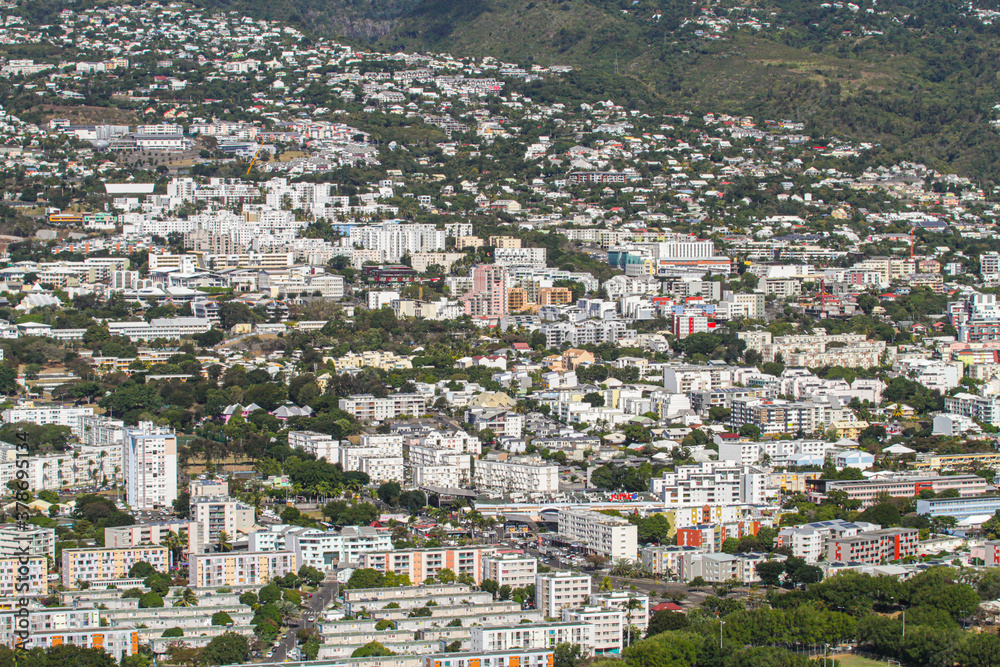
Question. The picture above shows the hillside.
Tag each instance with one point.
(918, 77)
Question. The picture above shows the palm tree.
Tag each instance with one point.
(186, 598)
(225, 542)
(171, 542)
(606, 585)
(622, 568)
(629, 606)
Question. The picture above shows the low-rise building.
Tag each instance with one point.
(21, 577)
(875, 547)
(533, 636)
(28, 540)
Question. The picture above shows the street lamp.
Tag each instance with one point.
(721, 623)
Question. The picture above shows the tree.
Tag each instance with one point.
(595, 399)
(371, 650)
(270, 593)
(446, 576)
(384, 624)
(770, 572)
(751, 431)
(173, 632)
(228, 648)
(150, 600)
(141, 570)
(249, 599)
(664, 621)
(567, 655)
(312, 575)
(366, 578)
(389, 492)
(221, 618)
(187, 598)
(654, 528)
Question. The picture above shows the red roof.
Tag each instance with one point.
(667, 606)
(521, 346)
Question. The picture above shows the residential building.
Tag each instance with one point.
(711, 483)
(516, 570)
(150, 466)
(123, 537)
(609, 627)
(902, 486)
(45, 415)
(663, 561)
(23, 576)
(102, 564)
(635, 606)
(215, 516)
(367, 408)
(422, 563)
(532, 475)
(320, 445)
(512, 658)
(810, 541)
(325, 550)
(561, 589)
(533, 636)
(875, 547)
(609, 536)
(240, 568)
(960, 508)
(28, 540)
(984, 409)
(49, 627)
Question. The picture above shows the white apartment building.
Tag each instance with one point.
(27, 540)
(444, 476)
(533, 636)
(684, 379)
(608, 624)
(123, 537)
(382, 469)
(635, 613)
(711, 483)
(530, 475)
(555, 591)
(981, 408)
(99, 430)
(161, 327)
(15, 574)
(150, 466)
(510, 257)
(240, 568)
(516, 570)
(48, 627)
(325, 550)
(366, 408)
(216, 515)
(393, 240)
(610, 536)
(320, 445)
(989, 267)
(45, 415)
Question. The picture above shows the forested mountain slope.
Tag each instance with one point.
(919, 77)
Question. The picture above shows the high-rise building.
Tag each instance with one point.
(488, 298)
(150, 462)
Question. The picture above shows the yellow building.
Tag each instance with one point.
(105, 564)
(240, 568)
(792, 482)
(849, 429)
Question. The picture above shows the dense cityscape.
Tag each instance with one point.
(319, 354)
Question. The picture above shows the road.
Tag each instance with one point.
(320, 600)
